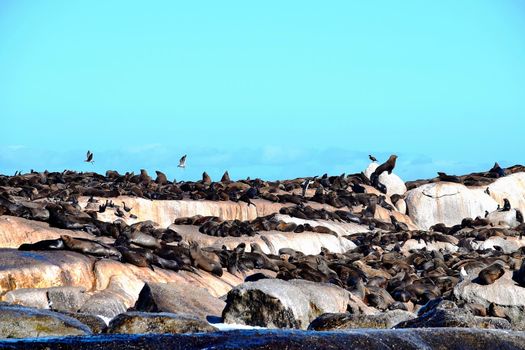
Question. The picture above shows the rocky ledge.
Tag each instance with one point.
(84, 254)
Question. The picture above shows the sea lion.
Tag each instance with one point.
(202, 261)
(497, 170)
(47, 244)
(143, 239)
(161, 178)
(225, 177)
(206, 179)
(490, 274)
(134, 257)
(448, 178)
(144, 177)
(518, 276)
(388, 166)
(506, 205)
(87, 246)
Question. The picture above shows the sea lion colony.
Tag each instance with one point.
(379, 270)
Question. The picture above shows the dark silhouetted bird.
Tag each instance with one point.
(89, 157)
(182, 162)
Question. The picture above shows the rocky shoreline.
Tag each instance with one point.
(153, 256)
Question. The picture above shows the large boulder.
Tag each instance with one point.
(449, 202)
(446, 202)
(504, 294)
(447, 314)
(393, 183)
(178, 298)
(504, 218)
(511, 187)
(95, 323)
(111, 301)
(275, 303)
(68, 299)
(387, 319)
(65, 298)
(24, 322)
(163, 322)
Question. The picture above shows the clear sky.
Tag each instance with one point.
(271, 89)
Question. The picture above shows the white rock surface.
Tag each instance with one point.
(446, 202)
(276, 303)
(449, 202)
(503, 218)
(393, 183)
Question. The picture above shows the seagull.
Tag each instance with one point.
(89, 157)
(372, 158)
(182, 162)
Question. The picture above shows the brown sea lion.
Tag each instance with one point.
(87, 246)
(226, 177)
(202, 261)
(206, 179)
(388, 166)
(47, 244)
(490, 274)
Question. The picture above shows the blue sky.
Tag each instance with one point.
(273, 89)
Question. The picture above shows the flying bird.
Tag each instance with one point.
(182, 162)
(89, 157)
(372, 158)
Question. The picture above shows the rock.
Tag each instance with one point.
(95, 323)
(447, 314)
(449, 202)
(30, 297)
(16, 230)
(275, 303)
(23, 322)
(362, 339)
(111, 301)
(446, 202)
(393, 183)
(66, 298)
(503, 218)
(163, 211)
(388, 319)
(177, 298)
(507, 244)
(163, 322)
(511, 187)
(54, 298)
(504, 295)
(401, 206)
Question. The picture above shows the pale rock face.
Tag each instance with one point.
(384, 215)
(393, 183)
(507, 244)
(449, 203)
(503, 218)
(446, 202)
(413, 244)
(15, 231)
(275, 303)
(511, 187)
(164, 212)
(401, 206)
(504, 292)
